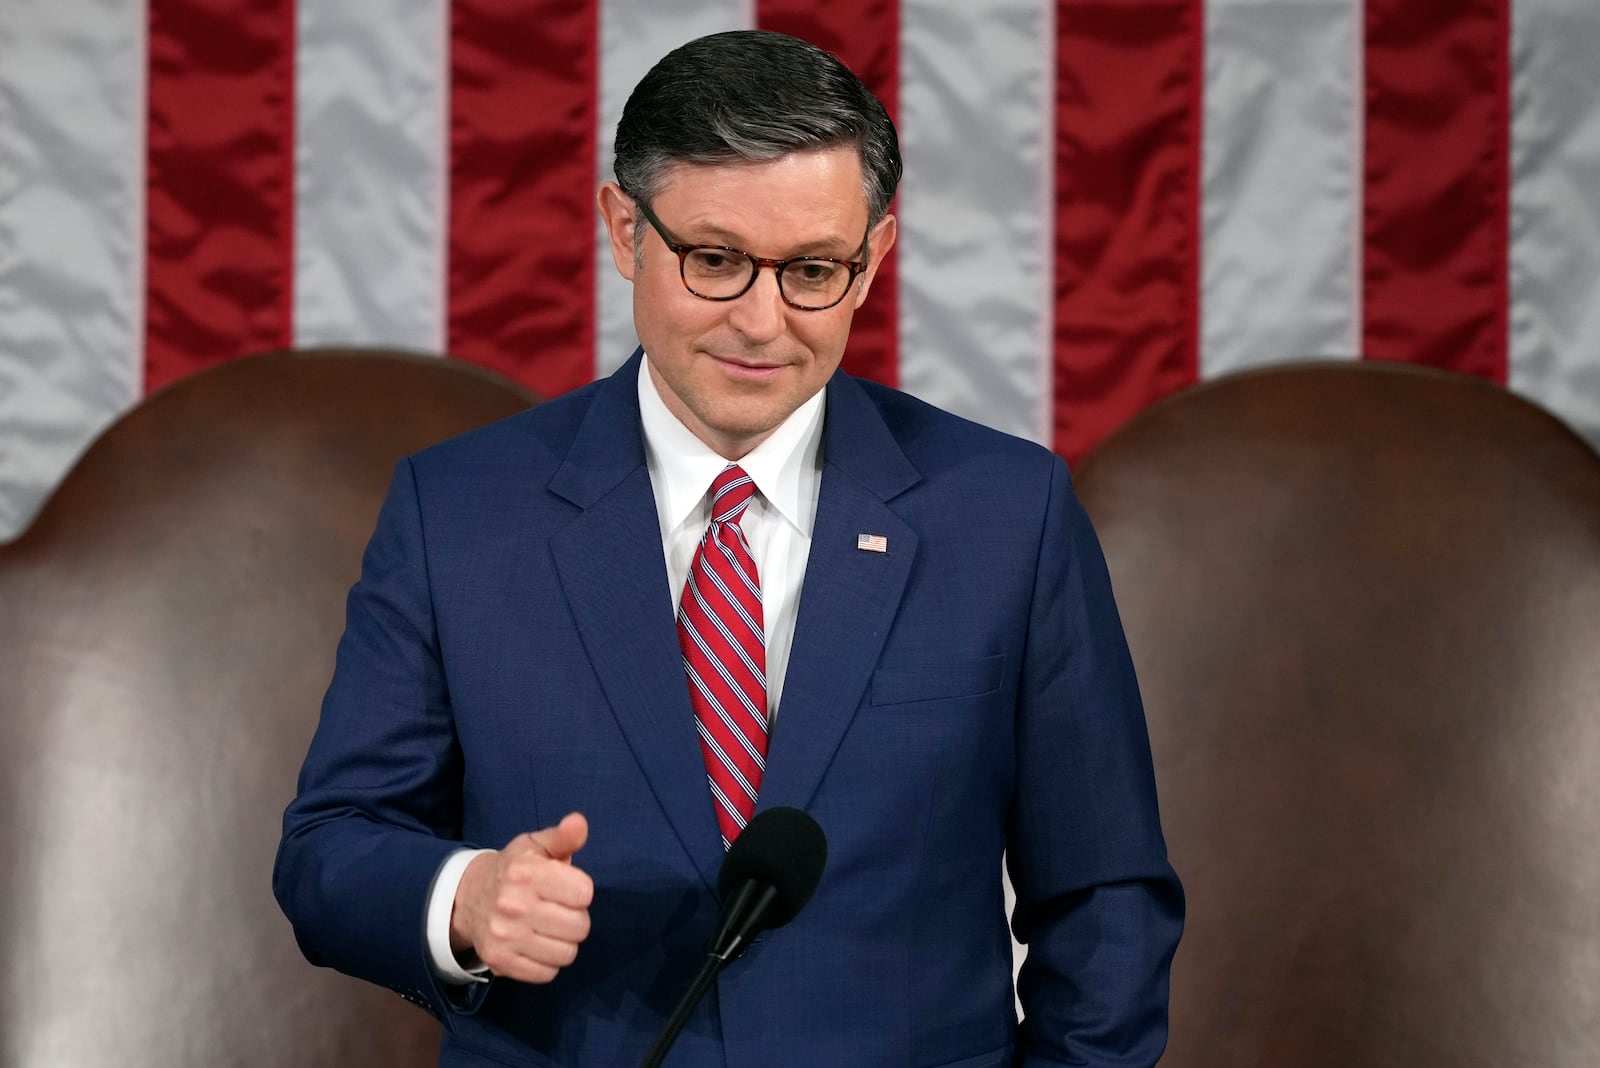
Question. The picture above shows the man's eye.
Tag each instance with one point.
(814, 272)
(708, 261)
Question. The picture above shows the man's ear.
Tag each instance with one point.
(621, 216)
(879, 242)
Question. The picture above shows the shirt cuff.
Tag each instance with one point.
(441, 901)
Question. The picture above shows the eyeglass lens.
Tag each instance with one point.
(720, 274)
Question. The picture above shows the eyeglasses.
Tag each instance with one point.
(717, 272)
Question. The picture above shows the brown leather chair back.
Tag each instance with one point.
(1364, 604)
(167, 627)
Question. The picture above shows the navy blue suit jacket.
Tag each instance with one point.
(510, 655)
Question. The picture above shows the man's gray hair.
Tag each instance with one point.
(752, 95)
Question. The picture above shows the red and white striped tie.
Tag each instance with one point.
(720, 631)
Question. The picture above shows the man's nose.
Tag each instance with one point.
(760, 312)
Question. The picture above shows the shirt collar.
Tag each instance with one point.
(682, 466)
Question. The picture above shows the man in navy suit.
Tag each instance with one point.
(570, 673)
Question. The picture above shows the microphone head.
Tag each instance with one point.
(783, 848)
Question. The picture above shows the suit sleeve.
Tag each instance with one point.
(1098, 905)
(378, 808)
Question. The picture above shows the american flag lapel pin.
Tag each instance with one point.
(872, 543)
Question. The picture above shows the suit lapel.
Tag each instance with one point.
(849, 597)
(611, 568)
(610, 564)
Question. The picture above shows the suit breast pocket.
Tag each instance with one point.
(937, 680)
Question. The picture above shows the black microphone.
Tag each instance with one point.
(769, 874)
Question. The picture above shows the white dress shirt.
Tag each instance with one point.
(786, 469)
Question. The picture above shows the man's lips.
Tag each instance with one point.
(741, 366)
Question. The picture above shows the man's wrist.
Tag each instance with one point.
(449, 964)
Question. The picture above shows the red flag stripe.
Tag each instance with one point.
(866, 36)
(523, 128)
(219, 214)
(1129, 91)
(1435, 220)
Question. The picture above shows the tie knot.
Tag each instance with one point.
(730, 492)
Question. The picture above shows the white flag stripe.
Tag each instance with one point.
(633, 35)
(1555, 208)
(976, 242)
(72, 105)
(1281, 208)
(371, 151)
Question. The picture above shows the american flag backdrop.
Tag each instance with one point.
(1104, 201)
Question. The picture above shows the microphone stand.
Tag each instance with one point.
(680, 1015)
(741, 919)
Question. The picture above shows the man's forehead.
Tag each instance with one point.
(829, 171)
(815, 198)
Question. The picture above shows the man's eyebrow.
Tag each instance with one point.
(832, 245)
